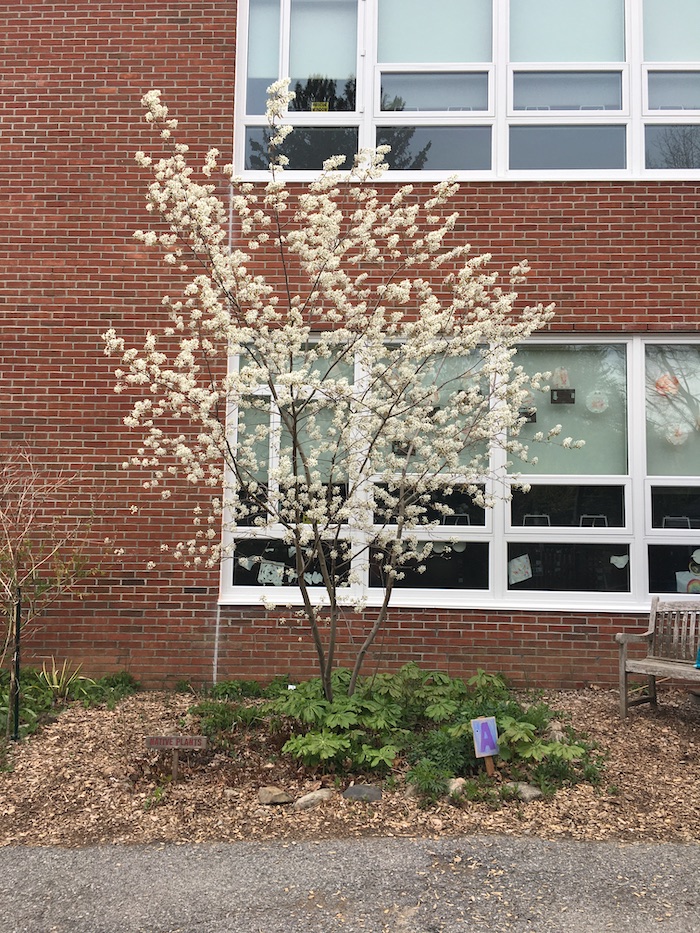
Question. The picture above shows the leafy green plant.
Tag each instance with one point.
(157, 796)
(413, 718)
(218, 718)
(107, 690)
(429, 780)
(454, 753)
(317, 747)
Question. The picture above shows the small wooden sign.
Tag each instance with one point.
(173, 743)
(486, 741)
(166, 742)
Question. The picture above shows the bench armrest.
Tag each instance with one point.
(624, 638)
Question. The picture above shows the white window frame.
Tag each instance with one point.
(500, 115)
(636, 534)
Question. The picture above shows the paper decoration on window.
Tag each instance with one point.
(271, 573)
(597, 402)
(519, 569)
(676, 435)
(620, 561)
(560, 379)
(667, 385)
(687, 582)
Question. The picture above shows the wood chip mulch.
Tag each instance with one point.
(87, 779)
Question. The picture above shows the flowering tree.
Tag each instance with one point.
(345, 365)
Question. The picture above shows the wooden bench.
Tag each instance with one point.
(672, 641)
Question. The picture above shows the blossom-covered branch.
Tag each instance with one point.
(333, 372)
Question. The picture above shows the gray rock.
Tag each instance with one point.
(363, 792)
(455, 786)
(526, 792)
(555, 732)
(273, 795)
(313, 799)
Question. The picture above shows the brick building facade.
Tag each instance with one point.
(618, 256)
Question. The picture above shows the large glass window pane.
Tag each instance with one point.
(674, 90)
(566, 567)
(316, 445)
(427, 91)
(267, 562)
(567, 147)
(567, 90)
(439, 381)
(253, 458)
(674, 568)
(263, 52)
(462, 565)
(672, 145)
(675, 507)
(671, 30)
(588, 397)
(323, 54)
(439, 148)
(444, 31)
(673, 410)
(464, 512)
(307, 147)
(569, 506)
(567, 31)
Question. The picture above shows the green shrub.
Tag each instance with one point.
(424, 718)
(429, 780)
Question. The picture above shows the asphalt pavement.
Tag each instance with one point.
(479, 883)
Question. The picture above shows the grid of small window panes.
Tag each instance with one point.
(511, 87)
(618, 515)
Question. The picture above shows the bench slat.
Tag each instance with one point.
(675, 669)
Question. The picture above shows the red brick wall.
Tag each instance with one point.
(614, 257)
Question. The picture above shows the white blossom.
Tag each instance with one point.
(366, 384)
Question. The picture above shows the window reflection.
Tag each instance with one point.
(439, 148)
(674, 90)
(567, 147)
(323, 53)
(595, 410)
(444, 91)
(307, 147)
(673, 410)
(672, 146)
(465, 512)
(567, 90)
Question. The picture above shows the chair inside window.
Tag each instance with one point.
(675, 521)
(593, 521)
(536, 519)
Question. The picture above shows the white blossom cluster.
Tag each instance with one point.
(337, 366)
